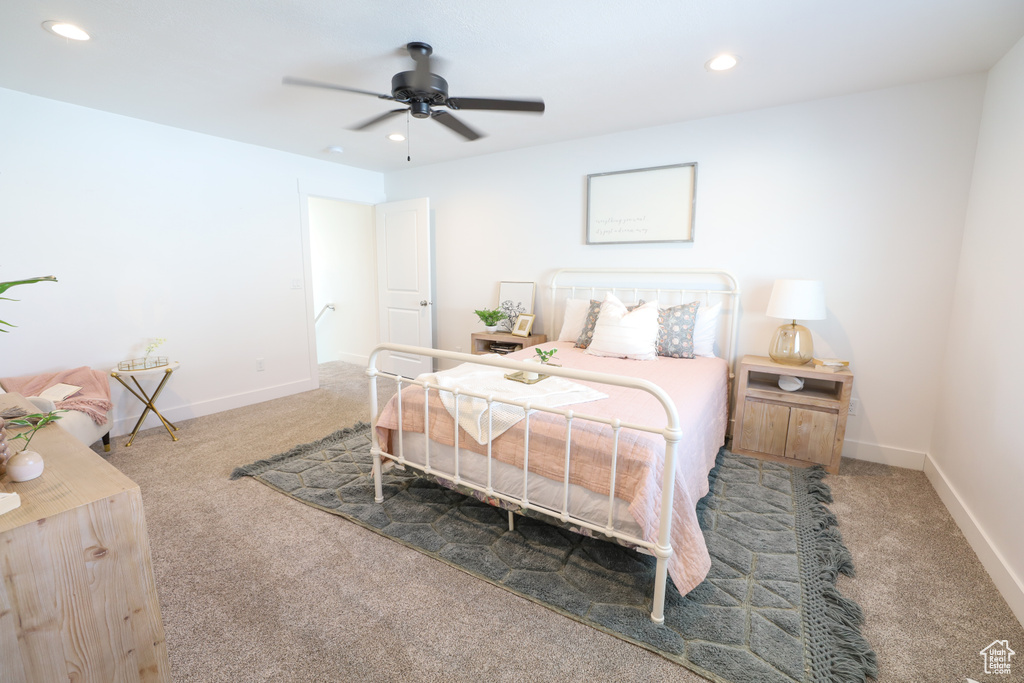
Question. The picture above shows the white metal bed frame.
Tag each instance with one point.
(672, 433)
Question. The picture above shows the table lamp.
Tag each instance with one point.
(795, 300)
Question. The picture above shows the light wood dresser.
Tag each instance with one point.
(77, 597)
(804, 427)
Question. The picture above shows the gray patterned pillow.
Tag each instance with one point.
(675, 330)
(587, 335)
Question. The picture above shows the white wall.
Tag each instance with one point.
(977, 460)
(152, 232)
(867, 192)
(344, 273)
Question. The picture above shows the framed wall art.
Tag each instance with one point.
(524, 325)
(642, 205)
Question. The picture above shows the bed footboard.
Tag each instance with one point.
(671, 433)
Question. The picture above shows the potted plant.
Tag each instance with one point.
(26, 464)
(490, 317)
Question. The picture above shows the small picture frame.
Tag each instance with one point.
(523, 326)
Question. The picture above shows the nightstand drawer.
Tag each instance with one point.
(812, 435)
(764, 427)
(788, 431)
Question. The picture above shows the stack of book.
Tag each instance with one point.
(502, 348)
(831, 364)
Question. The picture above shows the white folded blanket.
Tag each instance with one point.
(552, 392)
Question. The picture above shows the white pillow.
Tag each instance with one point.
(705, 330)
(575, 316)
(620, 333)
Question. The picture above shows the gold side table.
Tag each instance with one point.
(164, 372)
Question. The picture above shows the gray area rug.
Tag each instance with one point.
(768, 612)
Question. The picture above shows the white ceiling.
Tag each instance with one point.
(215, 66)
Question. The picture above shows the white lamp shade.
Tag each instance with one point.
(797, 300)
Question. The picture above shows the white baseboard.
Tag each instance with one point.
(124, 425)
(886, 455)
(1007, 582)
(353, 358)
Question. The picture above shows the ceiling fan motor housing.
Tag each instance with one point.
(404, 90)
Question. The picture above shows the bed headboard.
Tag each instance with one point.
(670, 286)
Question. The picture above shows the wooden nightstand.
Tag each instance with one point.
(804, 427)
(481, 341)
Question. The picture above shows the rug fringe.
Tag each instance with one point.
(260, 466)
(833, 554)
(853, 660)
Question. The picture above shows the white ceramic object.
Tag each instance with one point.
(25, 466)
(531, 375)
(491, 329)
(790, 383)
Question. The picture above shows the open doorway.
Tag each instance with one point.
(343, 273)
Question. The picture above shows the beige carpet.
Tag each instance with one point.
(255, 586)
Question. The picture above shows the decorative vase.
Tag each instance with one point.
(491, 329)
(25, 466)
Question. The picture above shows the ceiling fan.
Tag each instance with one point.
(421, 90)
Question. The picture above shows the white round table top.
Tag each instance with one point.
(170, 367)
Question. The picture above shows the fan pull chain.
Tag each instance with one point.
(408, 136)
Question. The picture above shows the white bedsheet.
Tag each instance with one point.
(484, 422)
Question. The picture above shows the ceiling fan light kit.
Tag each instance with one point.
(420, 91)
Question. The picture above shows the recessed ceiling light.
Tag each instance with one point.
(336, 149)
(396, 137)
(722, 62)
(65, 30)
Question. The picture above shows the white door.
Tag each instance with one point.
(404, 296)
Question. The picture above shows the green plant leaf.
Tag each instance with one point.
(4, 286)
(40, 419)
(490, 316)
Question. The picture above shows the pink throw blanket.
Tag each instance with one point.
(93, 399)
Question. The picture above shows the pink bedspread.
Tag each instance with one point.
(699, 389)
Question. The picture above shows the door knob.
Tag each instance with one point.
(425, 303)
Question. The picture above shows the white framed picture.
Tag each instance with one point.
(642, 205)
(514, 299)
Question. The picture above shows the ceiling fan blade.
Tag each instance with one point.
(536, 106)
(379, 119)
(453, 123)
(289, 80)
(420, 53)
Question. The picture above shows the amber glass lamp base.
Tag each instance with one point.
(791, 345)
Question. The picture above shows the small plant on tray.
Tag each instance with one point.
(545, 356)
